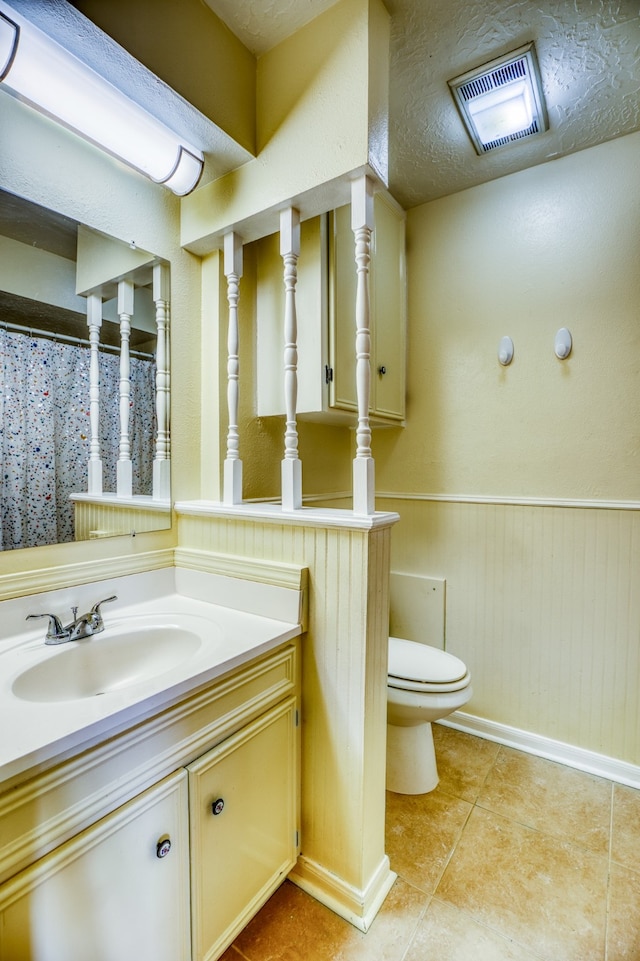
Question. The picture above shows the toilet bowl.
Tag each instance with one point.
(424, 684)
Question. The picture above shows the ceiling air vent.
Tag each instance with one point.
(501, 102)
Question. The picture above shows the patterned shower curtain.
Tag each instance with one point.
(45, 433)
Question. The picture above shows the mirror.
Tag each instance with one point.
(84, 410)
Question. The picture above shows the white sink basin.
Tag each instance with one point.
(109, 661)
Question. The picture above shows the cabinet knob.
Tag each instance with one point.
(163, 847)
(218, 806)
(382, 370)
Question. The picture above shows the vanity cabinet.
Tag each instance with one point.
(325, 309)
(193, 815)
(105, 893)
(243, 826)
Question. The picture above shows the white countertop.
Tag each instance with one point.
(33, 733)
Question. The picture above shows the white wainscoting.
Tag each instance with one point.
(543, 604)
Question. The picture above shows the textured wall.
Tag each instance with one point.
(541, 600)
(554, 246)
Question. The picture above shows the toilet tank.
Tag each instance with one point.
(417, 608)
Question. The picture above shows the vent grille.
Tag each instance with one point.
(520, 135)
(519, 65)
(497, 78)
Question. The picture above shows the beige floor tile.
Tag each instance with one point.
(550, 797)
(463, 761)
(623, 928)
(422, 830)
(544, 893)
(625, 835)
(292, 926)
(447, 934)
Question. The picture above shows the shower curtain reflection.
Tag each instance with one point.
(44, 433)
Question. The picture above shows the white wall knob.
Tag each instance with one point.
(563, 344)
(505, 351)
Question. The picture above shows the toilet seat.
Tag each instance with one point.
(419, 667)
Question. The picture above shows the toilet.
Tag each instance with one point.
(424, 684)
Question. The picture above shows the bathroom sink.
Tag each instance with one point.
(109, 661)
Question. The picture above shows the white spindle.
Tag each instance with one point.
(167, 371)
(232, 488)
(362, 222)
(161, 460)
(125, 313)
(291, 465)
(94, 464)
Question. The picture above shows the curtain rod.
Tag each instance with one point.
(51, 335)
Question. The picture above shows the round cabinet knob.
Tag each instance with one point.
(218, 806)
(163, 847)
(382, 370)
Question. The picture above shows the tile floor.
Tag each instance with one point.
(511, 858)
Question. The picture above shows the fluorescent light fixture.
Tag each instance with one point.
(501, 101)
(43, 74)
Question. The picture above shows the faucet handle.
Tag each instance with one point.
(56, 630)
(96, 607)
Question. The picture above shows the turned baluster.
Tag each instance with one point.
(232, 486)
(161, 459)
(291, 465)
(125, 313)
(94, 464)
(362, 223)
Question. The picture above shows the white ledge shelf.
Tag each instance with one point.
(139, 501)
(303, 517)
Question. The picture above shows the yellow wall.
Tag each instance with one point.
(191, 50)
(321, 115)
(48, 165)
(38, 274)
(554, 246)
(499, 472)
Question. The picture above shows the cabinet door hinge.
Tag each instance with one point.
(328, 374)
(297, 718)
(297, 839)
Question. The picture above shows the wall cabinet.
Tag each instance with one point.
(176, 871)
(325, 308)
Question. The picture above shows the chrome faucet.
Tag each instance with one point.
(79, 628)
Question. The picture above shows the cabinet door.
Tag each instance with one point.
(388, 308)
(342, 311)
(311, 313)
(243, 812)
(106, 893)
(387, 299)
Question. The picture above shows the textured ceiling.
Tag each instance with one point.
(262, 25)
(589, 54)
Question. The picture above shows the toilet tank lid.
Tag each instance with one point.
(419, 662)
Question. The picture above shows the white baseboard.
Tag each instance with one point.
(359, 907)
(593, 763)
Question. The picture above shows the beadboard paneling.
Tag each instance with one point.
(543, 604)
(344, 695)
(95, 519)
